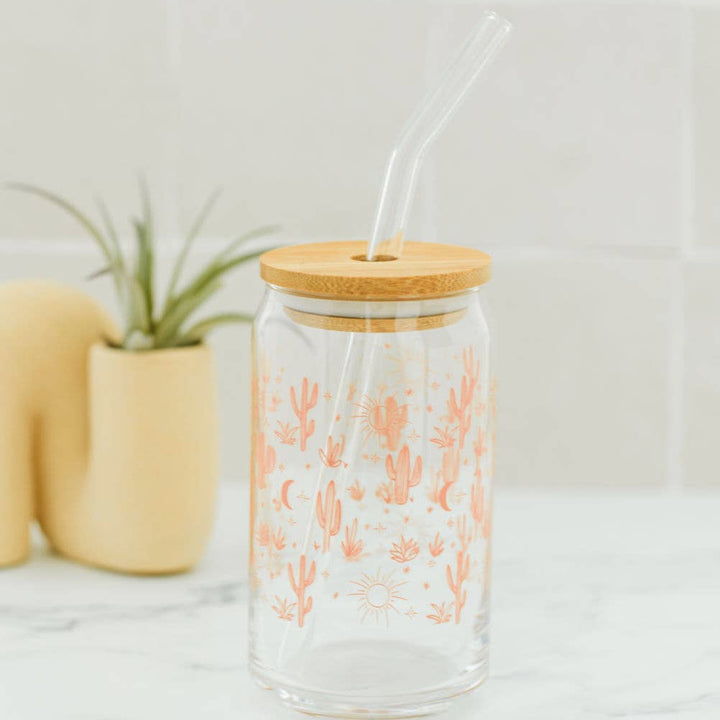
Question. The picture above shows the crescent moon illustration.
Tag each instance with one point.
(284, 493)
(442, 496)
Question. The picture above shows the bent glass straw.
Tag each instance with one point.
(424, 125)
(395, 199)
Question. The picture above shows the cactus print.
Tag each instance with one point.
(372, 504)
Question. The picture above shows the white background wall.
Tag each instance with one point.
(588, 164)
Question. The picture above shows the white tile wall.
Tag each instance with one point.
(85, 103)
(706, 31)
(702, 374)
(574, 140)
(583, 391)
(587, 162)
(293, 107)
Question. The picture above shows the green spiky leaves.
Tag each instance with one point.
(150, 325)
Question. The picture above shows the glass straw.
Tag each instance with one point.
(398, 187)
(424, 125)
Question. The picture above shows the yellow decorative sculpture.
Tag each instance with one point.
(114, 452)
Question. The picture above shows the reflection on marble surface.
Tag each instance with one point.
(604, 606)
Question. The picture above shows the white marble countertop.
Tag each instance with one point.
(604, 606)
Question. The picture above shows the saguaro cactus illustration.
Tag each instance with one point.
(389, 419)
(264, 460)
(479, 508)
(477, 503)
(402, 476)
(307, 402)
(461, 412)
(329, 514)
(461, 573)
(303, 582)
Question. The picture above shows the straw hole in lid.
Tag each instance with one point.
(377, 258)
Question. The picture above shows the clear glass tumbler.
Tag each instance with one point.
(373, 430)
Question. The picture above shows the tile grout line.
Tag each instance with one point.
(675, 480)
(47, 245)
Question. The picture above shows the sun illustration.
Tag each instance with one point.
(377, 595)
(383, 418)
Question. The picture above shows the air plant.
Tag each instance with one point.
(150, 324)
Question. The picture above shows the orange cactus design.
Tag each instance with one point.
(286, 433)
(401, 475)
(477, 502)
(284, 609)
(301, 410)
(461, 412)
(352, 547)
(479, 445)
(450, 466)
(356, 492)
(329, 514)
(278, 539)
(332, 456)
(440, 614)
(436, 547)
(465, 535)
(480, 510)
(264, 460)
(262, 535)
(384, 492)
(303, 582)
(404, 550)
(461, 572)
(385, 419)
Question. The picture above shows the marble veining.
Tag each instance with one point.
(605, 605)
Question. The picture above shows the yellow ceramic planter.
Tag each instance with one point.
(114, 452)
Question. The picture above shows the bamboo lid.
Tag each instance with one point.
(338, 270)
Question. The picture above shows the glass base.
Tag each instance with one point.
(370, 680)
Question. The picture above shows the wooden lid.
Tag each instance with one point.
(338, 270)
